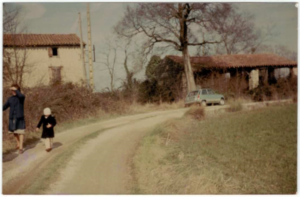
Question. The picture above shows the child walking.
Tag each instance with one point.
(48, 122)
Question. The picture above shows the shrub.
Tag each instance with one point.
(284, 88)
(67, 102)
(196, 112)
(235, 105)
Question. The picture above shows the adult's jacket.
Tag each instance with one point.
(16, 105)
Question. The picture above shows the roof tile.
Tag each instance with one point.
(237, 60)
(41, 40)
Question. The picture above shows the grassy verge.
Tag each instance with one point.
(33, 136)
(247, 152)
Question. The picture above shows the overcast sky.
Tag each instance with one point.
(62, 18)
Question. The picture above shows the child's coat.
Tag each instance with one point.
(47, 132)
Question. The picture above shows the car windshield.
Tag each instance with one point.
(204, 92)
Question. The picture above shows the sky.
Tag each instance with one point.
(62, 18)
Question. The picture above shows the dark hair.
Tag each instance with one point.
(16, 86)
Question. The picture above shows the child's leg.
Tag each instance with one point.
(47, 143)
(51, 142)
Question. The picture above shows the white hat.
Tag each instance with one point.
(47, 111)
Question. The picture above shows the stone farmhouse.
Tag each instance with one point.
(50, 58)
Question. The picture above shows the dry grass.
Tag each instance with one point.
(235, 105)
(249, 152)
(135, 107)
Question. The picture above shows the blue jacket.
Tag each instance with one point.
(16, 103)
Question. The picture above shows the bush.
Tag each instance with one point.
(67, 102)
(196, 112)
(284, 88)
(235, 105)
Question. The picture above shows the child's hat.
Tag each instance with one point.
(47, 111)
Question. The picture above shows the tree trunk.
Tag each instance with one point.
(112, 84)
(129, 74)
(184, 44)
(188, 70)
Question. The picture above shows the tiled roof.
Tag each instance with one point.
(237, 60)
(41, 40)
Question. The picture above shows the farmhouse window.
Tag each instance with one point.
(52, 51)
(55, 74)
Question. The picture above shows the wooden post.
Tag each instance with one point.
(90, 48)
(271, 76)
(82, 51)
(253, 78)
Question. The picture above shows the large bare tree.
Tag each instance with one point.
(177, 25)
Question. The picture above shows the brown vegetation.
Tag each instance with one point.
(73, 104)
(196, 113)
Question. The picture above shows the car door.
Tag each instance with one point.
(193, 96)
(187, 99)
(212, 98)
(204, 95)
(190, 97)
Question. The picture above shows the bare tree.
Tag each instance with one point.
(173, 24)
(280, 50)
(110, 56)
(262, 36)
(237, 31)
(15, 53)
(133, 61)
(129, 73)
(10, 18)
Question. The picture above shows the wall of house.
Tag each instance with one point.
(38, 65)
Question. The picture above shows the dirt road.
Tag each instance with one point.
(98, 166)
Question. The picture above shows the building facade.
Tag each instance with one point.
(43, 59)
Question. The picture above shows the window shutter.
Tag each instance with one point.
(56, 75)
(50, 52)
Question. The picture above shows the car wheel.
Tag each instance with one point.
(203, 103)
(222, 102)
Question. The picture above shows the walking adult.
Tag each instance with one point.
(16, 124)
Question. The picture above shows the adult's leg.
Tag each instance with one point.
(51, 142)
(21, 138)
(18, 140)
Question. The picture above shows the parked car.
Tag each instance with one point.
(204, 97)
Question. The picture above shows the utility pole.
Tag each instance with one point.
(90, 47)
(82, 51)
